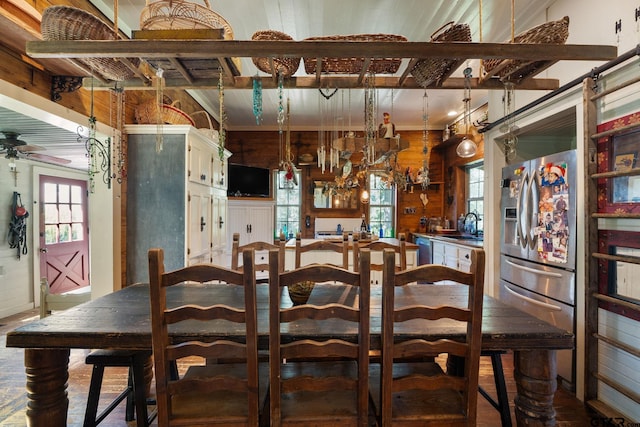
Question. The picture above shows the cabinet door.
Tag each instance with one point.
(199, 232)
(219, 223)
(238, 222)
(200, 165)
(261, 224)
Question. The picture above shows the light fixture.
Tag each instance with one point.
(364, 196)
(452, 113)
(467, 147)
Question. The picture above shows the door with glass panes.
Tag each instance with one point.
(63, 231)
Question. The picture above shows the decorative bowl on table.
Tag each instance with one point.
(299, 292)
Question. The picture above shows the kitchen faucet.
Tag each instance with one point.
(472, 230)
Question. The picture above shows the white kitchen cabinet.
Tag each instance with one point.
(451, 255)
(252, 219)
(173, 200)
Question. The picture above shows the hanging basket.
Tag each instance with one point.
(70, 23)
(435, 70)
(284, 66)
(147, 113)
(354, 65)
(553, 32)
(185, 15)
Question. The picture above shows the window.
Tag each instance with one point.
(287, 205)
(381, 206)
(475, 192)
(63, 213)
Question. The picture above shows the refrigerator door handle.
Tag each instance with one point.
(521, 212)
(532, 214)
(533, 270)
(532, 301)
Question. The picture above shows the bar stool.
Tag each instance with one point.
(135, 393)
(502, 404)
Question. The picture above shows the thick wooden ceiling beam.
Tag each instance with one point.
(332, 49)
(311, 82)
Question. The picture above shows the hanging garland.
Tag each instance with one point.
(223, 119)
(257, 99)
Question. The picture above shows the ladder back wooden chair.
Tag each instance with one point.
(418, 392)
(377, 247)
(261, 250)
(323, 245)
(226, 394)
(318, 380)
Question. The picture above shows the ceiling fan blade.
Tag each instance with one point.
(47, 159)
(29, 148)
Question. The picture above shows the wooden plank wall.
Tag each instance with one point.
(261, 149)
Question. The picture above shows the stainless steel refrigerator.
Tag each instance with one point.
(538, 243)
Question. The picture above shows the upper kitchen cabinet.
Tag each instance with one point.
(176, 197)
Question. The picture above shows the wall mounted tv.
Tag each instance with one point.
(248, 181)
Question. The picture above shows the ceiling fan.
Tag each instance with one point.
(15, 148)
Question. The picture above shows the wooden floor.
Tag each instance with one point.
(570, 411)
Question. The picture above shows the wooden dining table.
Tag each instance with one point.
(121, 320)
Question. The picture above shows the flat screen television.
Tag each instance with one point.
(248, 181)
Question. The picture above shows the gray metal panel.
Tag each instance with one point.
(156, 197)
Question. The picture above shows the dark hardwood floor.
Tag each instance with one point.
(570, 411)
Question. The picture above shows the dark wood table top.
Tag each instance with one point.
(122, 320)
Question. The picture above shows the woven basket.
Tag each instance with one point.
(70, 23)
(147, 113)
(430, 70)
(354, 65)
(285, 66)
(553, 32)
(180, 14)
(210, 131)
(300, 292)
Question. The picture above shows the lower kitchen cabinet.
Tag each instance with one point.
(252, 219)
(451, 255)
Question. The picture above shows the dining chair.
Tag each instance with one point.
(317, 380)
(261, 251)
(226, 394)
(414, 392)
(377, 247)
(323, 245)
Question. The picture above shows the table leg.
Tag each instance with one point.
(535, 374)
(47, 375)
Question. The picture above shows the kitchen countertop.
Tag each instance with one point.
(458, 240)
(291, 243)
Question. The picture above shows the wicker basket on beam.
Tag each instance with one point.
(180, 14)
(284, 66)
(355, 65)
(553, 32)
(149, 112)
(70, 23)
(434, 70)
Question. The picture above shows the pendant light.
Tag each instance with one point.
(467, 147)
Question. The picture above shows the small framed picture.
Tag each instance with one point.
(624, 162)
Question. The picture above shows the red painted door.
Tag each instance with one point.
(64, 240)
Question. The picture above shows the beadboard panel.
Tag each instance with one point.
(618, 365)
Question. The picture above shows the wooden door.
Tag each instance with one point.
(64, 233)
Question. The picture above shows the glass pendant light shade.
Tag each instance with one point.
(466, 148)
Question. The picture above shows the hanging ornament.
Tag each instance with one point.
(423, 174)
(257, 99)
(158, 81)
